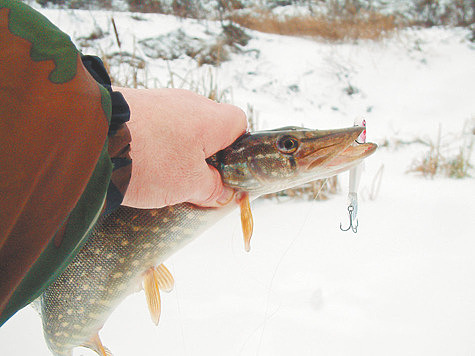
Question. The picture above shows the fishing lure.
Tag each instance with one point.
(354, 181)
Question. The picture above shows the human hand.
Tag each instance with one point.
(173, 132)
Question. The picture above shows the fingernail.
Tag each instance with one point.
(226, 196)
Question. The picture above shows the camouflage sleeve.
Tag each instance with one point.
(65, 155)
(118, 134)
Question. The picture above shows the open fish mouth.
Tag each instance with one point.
(330, 152)
(352, 155)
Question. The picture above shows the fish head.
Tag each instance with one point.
(269, 161)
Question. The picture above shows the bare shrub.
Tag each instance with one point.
(454, 12)
(87, 41)
(235, 35)
(213, 54)
(429, 11)
(54, 2)
(152, 6)
(78, 4)
(224, 6)
(185, 8)
(213, 50)
(464, 12)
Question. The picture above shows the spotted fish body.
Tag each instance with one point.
(110, 266)
(125, 244)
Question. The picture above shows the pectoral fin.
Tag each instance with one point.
(246, 220)
(95, 344)
(152, 293)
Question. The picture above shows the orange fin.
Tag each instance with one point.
(152, 293)
(246, 220)
(95, 344)
(165, 279)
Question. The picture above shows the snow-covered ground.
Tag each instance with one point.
(404, 285)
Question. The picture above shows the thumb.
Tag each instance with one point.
(212, 192)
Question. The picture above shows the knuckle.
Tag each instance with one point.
(235, 113)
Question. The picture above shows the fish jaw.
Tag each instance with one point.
(332, 151)
(270, 161)
(352, 156)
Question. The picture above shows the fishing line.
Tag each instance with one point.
(180, 315)
(255, 331)
(266, 315)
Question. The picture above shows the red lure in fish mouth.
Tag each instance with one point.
(331, 152)
(268, 161)
(320, 148)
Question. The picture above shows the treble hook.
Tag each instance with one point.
(353, 228)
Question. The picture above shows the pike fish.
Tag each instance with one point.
(128, 247)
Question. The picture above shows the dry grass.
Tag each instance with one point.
(459, 165)
(204, 83)
(438, 160)
(252, 118)
(433, 163)
(429, 164)
(364, 25)
(318, 190)
(126, 69)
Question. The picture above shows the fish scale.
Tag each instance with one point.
(128, 242)
(120, 249)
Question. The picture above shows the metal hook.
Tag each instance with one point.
(353, 228)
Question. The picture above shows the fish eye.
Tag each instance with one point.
(287, 144)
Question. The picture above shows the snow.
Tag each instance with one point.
(404, 285)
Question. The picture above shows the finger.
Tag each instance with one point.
(227, 123)
(212, 192)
